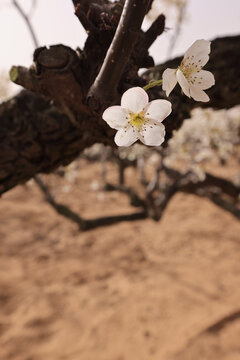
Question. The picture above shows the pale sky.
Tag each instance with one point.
(54, 22)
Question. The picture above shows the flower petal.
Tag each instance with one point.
(198, 53)
(198, 94)
(158, 110)
(153, 135)
(203, 79)
(116, 117)
(169, 80)
(134, 99)
(183, 82)
(126, 137)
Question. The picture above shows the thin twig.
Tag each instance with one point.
(27, 21)
(154, 31)
(135, 200)
(177, 31)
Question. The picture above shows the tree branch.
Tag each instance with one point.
(135, 200)
(154, 31)
(224, 204)
(85, 224)
(212, 187)
(27, 21)
(189, 183)
(36, 136)
(104, 88)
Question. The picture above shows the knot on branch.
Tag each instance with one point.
(56, 57)
(56, 75)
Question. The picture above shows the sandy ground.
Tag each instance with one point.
(140, 290)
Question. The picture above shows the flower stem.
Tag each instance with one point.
(152, 84)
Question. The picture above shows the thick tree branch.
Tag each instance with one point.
(36, 136)
(56, 75)
(104, 88)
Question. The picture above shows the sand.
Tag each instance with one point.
(131, 291)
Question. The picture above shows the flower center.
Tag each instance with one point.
(190, 68)
(137, 120)
(186, 70)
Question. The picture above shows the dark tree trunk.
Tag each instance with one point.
(49, 127)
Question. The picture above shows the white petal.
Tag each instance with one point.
(126, 137)
(134, 99)
(203, 79)
(169, 80)
(183, 82)
(116, 117)
(199, 50)
(153, 135)
(158, 110)
(198, 94)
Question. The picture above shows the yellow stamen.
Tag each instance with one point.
(137, 120)
(189, 69)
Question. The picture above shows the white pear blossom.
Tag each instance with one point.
(138, 119)
(209, 136)
(192, 79)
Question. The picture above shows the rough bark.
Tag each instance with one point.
(42, 130)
